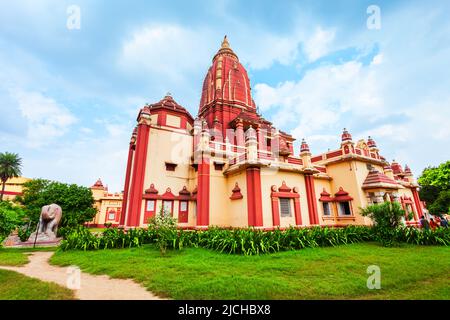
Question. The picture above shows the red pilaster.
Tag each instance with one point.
(275, 212)
(311, 198)
(203, 190)
(137, 182)
(418, 204)
(298, 214)
(127, 184)
(240, 140)
(260, 134)
(254, 197)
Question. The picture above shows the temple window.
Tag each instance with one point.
(170, 166)
(150, 205)
(183, 212)
(326, 209)
(168, 208)
(111, 215)
(285, 207)
(344, 208)
(218, 166)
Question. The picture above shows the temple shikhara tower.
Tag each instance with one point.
(229, 166)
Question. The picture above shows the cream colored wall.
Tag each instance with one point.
(14, 185)
(319, 186)
(168, 146)
(218, 197)
(237, 214)
(173, 121)
(101, 204)
(350, 176)
(269, 178)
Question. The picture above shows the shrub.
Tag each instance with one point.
(386, 218)
(164, 227)
(11, 217)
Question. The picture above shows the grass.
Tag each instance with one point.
(407, 272)
(14, 286)
(17, 256)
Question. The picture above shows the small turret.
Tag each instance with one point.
(305, 154)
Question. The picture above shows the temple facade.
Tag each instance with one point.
(230, 167)
(108, 205)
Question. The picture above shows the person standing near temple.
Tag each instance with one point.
(424, 223)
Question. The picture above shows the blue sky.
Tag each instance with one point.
(69, 97)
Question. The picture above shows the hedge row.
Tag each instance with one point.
(248, 241)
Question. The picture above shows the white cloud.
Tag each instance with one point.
(46, 119)
(165, 50)
(319, 44)
(318, 100)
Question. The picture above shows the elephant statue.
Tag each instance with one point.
(48, 223)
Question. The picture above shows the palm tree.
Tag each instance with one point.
(10, 165)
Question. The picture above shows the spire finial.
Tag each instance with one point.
(225, 43)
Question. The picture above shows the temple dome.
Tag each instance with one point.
(226, 81)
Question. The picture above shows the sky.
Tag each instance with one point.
(70, 89)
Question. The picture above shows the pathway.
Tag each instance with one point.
(92, 287)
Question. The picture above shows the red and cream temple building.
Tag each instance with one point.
(108, 205)
(231, 167)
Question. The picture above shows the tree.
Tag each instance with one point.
(76, 201)
(11, 217)
(434, 187)
(10, 167)
(436, 176)
(442, 204)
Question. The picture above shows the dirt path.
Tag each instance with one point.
(90, 287)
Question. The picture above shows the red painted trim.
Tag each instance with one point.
(275, 211)
(203, 188)
(290, 195)
(311, 198)
(148, 213)
(297, 211)
(308, 201)
(99, 225)
(11, 193)
(138, 176)
(285, 192)
(127, 185)
(254, 197)
(418, 204)
(236, 193)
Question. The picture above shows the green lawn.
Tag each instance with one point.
(15, 286)
(407, 272)
(17, 256)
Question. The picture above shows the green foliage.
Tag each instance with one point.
(385, 215)
(10, 165)
(436, 176)
(435, 188)
(11, 217)
(76, 201)
(164, 227)
(248, 241)
(82, 239)
(442, 204)
(24, 232)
